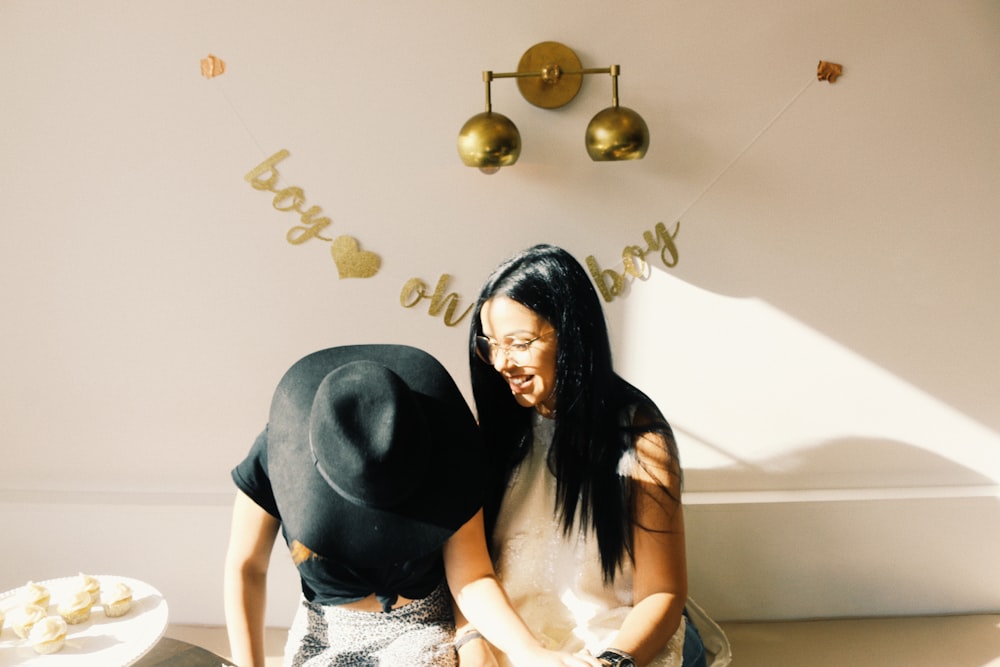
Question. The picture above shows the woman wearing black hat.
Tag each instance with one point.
(586, 518)
(371, 466)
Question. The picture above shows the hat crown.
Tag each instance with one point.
(367, 434)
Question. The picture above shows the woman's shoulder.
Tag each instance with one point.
(637, 411)
(651, 442)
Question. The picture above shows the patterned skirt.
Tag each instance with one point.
(418, 633)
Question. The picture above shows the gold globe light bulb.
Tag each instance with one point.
(489, 140)
(617, 133)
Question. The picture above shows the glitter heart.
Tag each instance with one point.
(352, 262)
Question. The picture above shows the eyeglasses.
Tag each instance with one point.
(518, 351)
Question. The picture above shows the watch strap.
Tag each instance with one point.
(616, 658)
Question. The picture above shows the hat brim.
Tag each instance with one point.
(448, 494)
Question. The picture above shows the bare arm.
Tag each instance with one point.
(245, 580)
(660, 567)
(481, 599)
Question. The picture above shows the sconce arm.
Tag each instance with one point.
(552, 75)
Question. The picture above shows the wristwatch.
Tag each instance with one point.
(612, 657)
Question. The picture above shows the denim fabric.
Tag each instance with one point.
(694, 648)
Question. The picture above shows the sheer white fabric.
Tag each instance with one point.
(555, 582)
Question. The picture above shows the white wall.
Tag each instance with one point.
(825, 346)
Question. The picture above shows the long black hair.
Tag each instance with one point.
(598, 414)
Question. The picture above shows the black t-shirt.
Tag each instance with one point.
(328, 582)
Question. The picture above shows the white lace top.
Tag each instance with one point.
(555, 582)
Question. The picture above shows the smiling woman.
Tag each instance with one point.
(582, 455)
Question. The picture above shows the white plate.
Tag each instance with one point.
(98, 642)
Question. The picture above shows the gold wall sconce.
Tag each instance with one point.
(549, 76)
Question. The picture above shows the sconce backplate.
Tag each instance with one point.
(552, 89)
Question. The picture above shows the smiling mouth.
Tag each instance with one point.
(518, 381)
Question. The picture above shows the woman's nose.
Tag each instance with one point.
(500, 362)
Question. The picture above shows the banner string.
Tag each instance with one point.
(239, 117)
(746, 148)
(718, 177)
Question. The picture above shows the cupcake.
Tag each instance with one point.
(92, 586)
(35, 594)
(118, 601)
(48, 635)
(76, 608)
(23, 618)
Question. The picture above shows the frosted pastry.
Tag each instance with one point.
(118, 600)
(92, 586)
(23, 618)
(76, 608)
(35, 594)
(48, 635)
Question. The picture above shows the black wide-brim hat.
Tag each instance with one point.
(373, 454)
